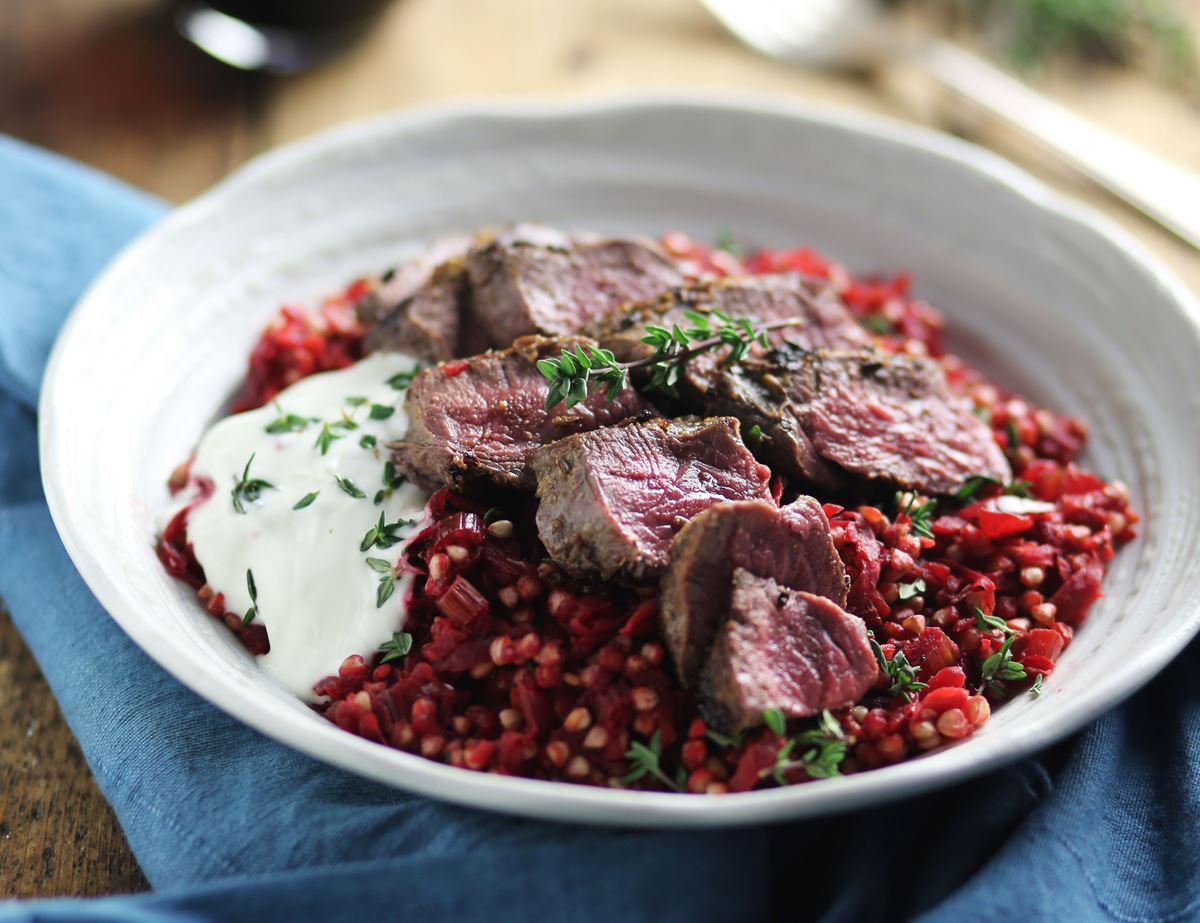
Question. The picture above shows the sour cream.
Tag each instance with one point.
(318, 594)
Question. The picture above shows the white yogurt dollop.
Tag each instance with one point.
(316, 592)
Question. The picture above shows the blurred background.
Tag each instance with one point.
(172, 96)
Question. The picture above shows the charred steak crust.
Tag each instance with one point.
(785, 649)
(522, 286)
(765, 298)
(478, 420)
(793, 545)
(427, 323)
(611, 500)
(890, 417)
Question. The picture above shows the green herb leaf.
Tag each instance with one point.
(367, 441)
(392, 480)
(774, 720)
(288, 423)
(900, 674)
(248, 489)
(349, 487)
(381, 411)
(1014, 436)
(985, 622)
(306, 500)
(250, 587)
(722, 740)
(878, 324)
(356, 401)
(402, 380)
(644, 760)
(326, 438)
(972, 485)
(387, 586)
(909, 590)
(397, 648)
(919, 515)
(1036, 689)
(1000, 667)
(726, 242)
(379, 565)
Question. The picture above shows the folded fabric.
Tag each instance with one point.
(229, 825)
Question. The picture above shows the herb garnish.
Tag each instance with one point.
(774, 720)
(722, 740)
(387, 582)
(727, 242)
(287, 422)
(578, 372)
(367, 441)
(822, 750)
(395, 649)
(985, 622)
(1000, 667)
(1036, 689)
(1014, 437)
(248, 489)
(878, 324)
(326, 438)
(644, 760)
(356, 401)
(921, 516)
(348, 486)
(306, 500)
(900, 674)
(392, 480)
(972, 485)
(909, 590)
(402, 380)
(381, 411)
(383, 534)
(253, 610)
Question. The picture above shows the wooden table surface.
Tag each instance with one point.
(105, 81)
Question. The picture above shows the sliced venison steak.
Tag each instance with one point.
(416, 307)
(785, 649)
(890, 417)
(793, 545)
(479, 418)
(827, 322)
(612, 499)
(524, 284)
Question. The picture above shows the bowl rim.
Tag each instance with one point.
(556, 800)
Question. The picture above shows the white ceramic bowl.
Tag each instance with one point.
(1048, 297)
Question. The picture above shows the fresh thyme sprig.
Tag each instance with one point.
(644, 760)
(247, 489)
(900, 674)
(383, 534)
(1001, 667)
(577, 372)
(919, 514)
(387, 580)
(821, 751)
(985, 622)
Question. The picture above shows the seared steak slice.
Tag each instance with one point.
(479, 418)
(793, 545)
(417, 309)
(827, 322)
(523, 284)
(890, 417)
(612, 499)
(426, 324)
(785, 649)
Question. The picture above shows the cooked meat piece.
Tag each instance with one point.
(479, 418)
(828, 323)
(793, 545)
(611, 500)
(888, 417)
(785, 649)
(415, 307)
(427, 323)
(521, 285)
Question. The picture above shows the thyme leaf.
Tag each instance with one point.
(1000, 667)
(900, 674)
(985, 622)
(306, 500)
(402, 380)
(644, 760)
(326, 438)
(349, 487)
(909, 590)
(397, 648)
(248, 489)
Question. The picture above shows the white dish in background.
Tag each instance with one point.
(1046, 296)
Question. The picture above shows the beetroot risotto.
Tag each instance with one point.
(682, 518)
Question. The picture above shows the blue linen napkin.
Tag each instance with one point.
(228, 825)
